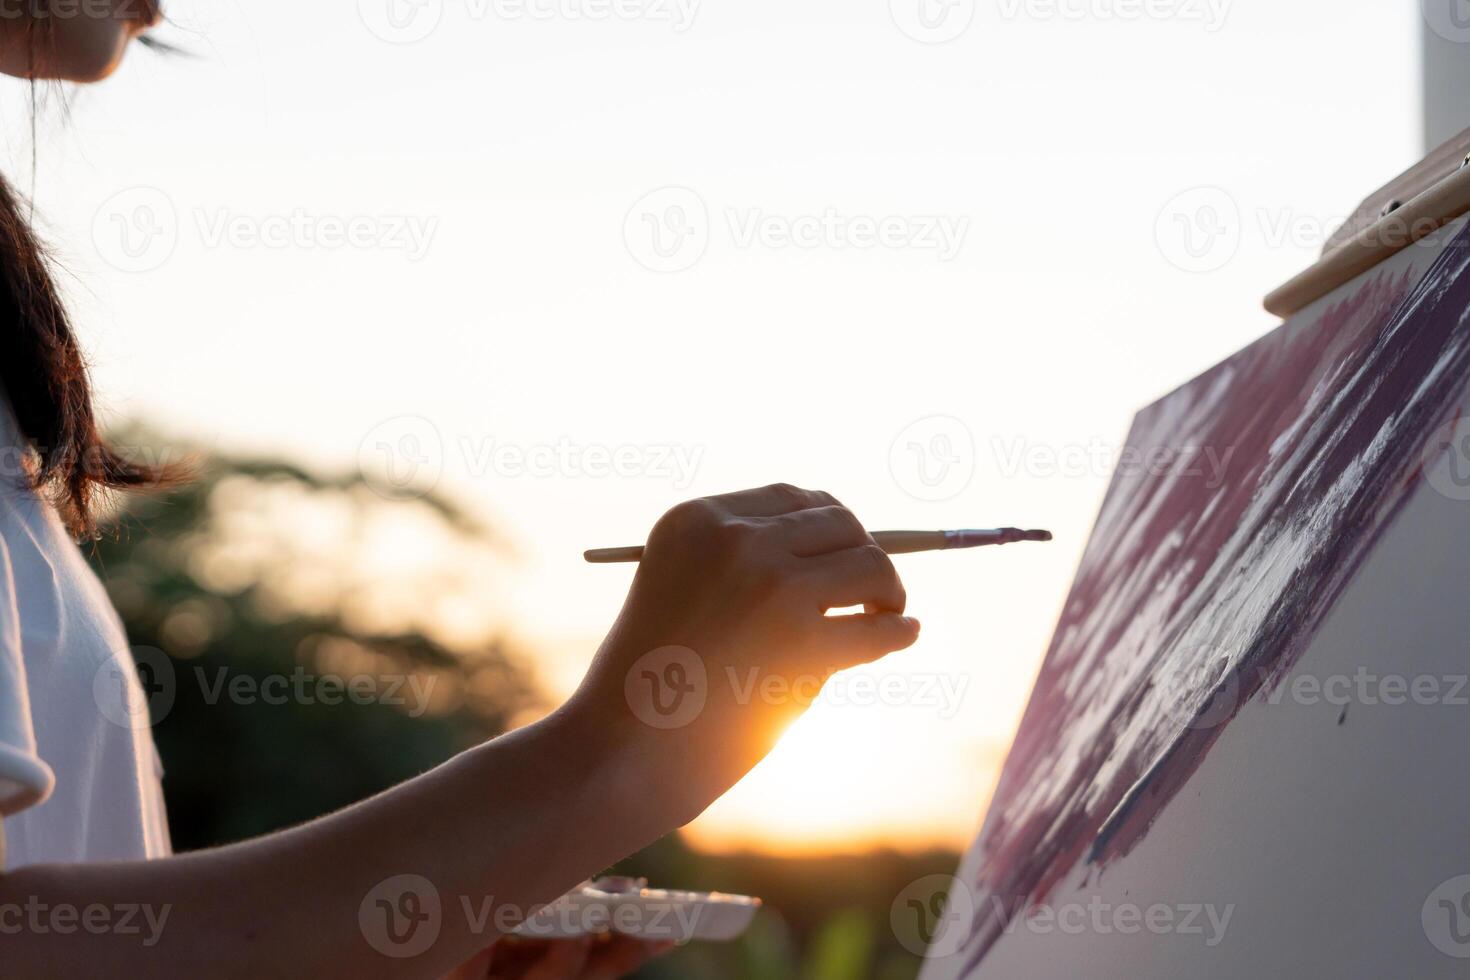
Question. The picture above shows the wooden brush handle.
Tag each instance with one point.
(893, 542)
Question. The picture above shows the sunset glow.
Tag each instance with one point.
(980, 384)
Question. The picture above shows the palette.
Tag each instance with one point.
(627, 906)
(1256, 500)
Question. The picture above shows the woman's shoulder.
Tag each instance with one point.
(32, 565)
(28, 522)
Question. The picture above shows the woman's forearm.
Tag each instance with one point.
(732, 591)
(488, 835)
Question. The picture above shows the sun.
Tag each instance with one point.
(850, 777)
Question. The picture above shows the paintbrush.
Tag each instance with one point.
(893, 542)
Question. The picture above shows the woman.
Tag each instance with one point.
(729, 585)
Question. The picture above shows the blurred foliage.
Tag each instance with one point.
(824, 918)
(258, 569)
(842, 948)
(200, 574)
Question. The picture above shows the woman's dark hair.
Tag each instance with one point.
(42, 370)
(44, 375)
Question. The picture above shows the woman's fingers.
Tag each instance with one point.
(563, 960)
(707, 523)
(861, 639)
(778, 498)
(820, 530)
(861, 576)
(475, 969)
(621, 955)
(584, 958)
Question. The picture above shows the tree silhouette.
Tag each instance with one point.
(305, 666)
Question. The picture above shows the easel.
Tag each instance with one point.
(1225, 718)
(1424, 198)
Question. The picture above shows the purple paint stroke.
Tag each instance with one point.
(1196, 592)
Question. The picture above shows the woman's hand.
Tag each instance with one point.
(724, 637)
(588, 958)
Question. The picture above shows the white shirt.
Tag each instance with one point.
(79, 777)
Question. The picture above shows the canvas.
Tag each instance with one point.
(1244, 752)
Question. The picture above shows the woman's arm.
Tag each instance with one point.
(511, 823)
(686, 694)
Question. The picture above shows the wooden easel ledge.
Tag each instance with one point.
(1421, 200)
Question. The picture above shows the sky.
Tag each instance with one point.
(572, 262)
